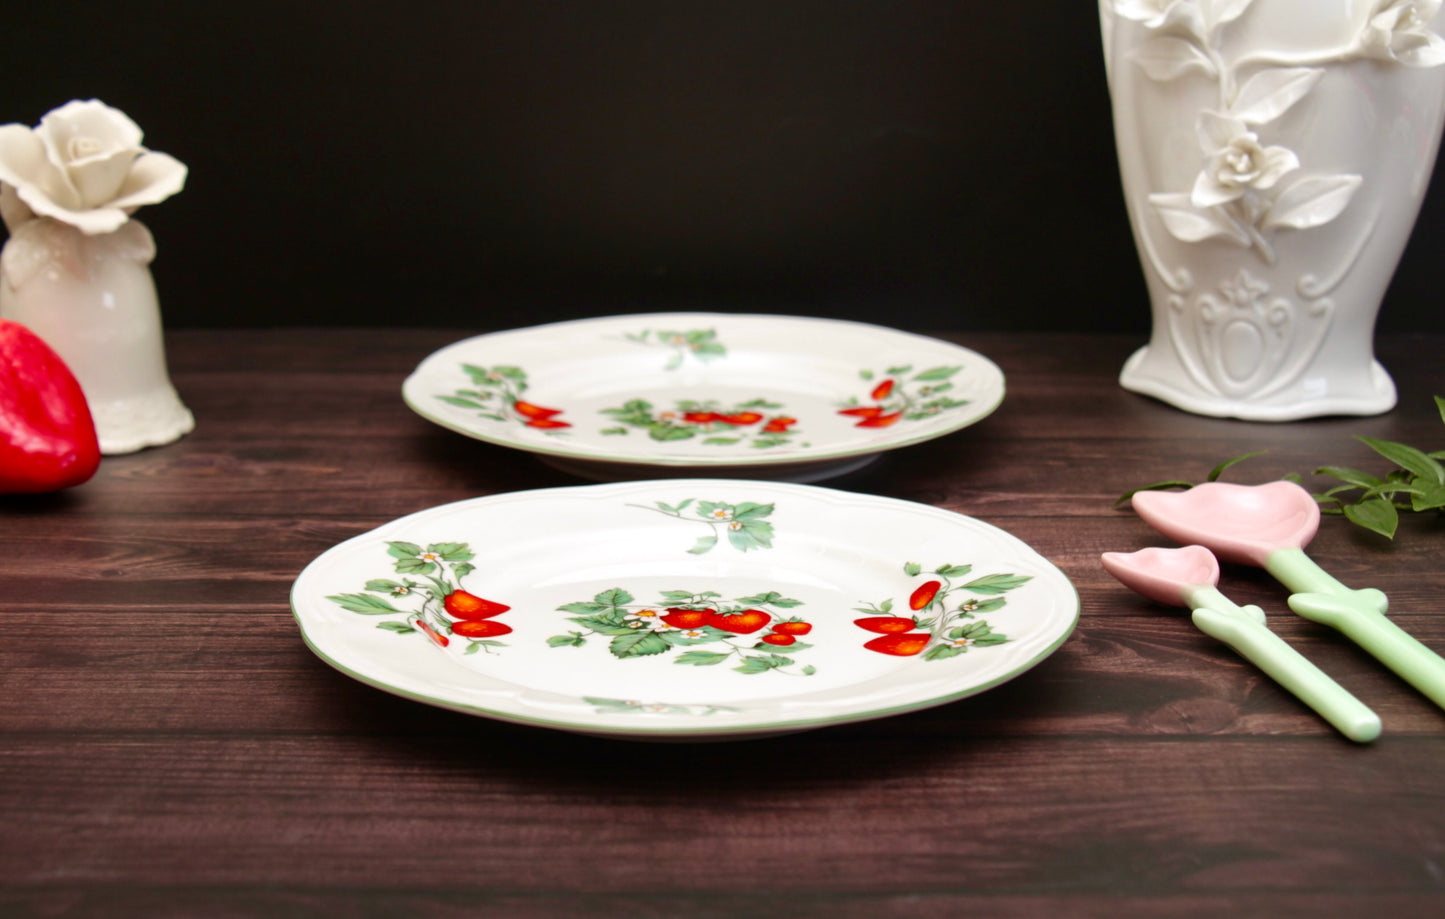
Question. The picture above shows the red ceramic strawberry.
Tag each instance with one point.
(742, 623)
(924, 594)
(548, 424)
(480, 628)
(902, 645)
(881, 391)
(465, 605)
(779, 425)
(781, 640)
(47, 435)
(886, 625)
(862, 411)
(680, 618)
(701, 417)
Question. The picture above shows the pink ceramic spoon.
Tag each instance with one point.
(1189, 577)
(1269, 526)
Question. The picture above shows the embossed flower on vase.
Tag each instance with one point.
(84, 165)
(1237, 162)
(1399, 30)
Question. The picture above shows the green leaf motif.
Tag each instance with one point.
(400, 628)
(398, 549)
(997, 583)
(936, 373)
(704, 544)
(702, 658)
(751, 534)
(638, 644)
(570, 640)
(365, 604)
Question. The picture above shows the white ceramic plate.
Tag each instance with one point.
(679, 393)
(684, 608)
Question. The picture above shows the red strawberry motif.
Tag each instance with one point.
(701, 417)
(881, 391)
(528, 410)
(480, 628)
(433, 634)
(924, 595)
(781, 640)
(792, 627)
(469, 606)
(779, 425)
(886, 625)
(548, 424)
(862, 411)
(879, 421)
(680, 618)
(742, 623)
(901, 645)
(47, 434)
(741, 418)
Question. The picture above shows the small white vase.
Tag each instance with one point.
(1274, 155)
(93, 300)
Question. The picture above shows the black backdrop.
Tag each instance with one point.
(929, 164)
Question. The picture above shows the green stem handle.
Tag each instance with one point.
(1360, 615)
(1244, 630)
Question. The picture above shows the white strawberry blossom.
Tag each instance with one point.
(1399, 30)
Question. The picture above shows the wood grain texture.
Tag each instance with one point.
(169, 746)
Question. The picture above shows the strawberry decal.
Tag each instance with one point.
(755, 423)
(745, 524)
(945, 621)
(903, 395)
(47, 435)
(496, 393)
(702, 629)
(429, 598)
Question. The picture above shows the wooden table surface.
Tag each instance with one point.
(170, 747)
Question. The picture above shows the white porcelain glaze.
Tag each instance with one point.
(580, 635)
(627, 396)
(1274, 155)
(92, 299)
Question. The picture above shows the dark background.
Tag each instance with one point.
(929, 164)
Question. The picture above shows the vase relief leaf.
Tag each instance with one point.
(1311, 202)
(1190, 224)
(1270, 93)
(1166, 58)
(1219, 12)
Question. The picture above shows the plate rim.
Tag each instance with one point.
(702, 464)
(754, 727)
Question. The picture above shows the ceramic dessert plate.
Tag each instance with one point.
(684, 608)
(684, 393)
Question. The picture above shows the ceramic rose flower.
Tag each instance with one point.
(84, 166)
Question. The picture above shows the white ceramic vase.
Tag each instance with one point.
(92, 299)
(1274, 155)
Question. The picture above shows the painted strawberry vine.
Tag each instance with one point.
(429, 598)
(702, 628)
(754, 423)
(745, 523)
(902, 394)
(496, 394)
(943, 616)
(701, 344)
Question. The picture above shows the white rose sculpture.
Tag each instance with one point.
(83, 166)
(75, 269)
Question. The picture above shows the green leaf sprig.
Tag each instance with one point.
(1415, 485)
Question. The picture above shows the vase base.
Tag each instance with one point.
(1289, 404)
(135, 424)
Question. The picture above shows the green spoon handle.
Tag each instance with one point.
(1386, 641)
(1360, 615)
(1246, 634)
